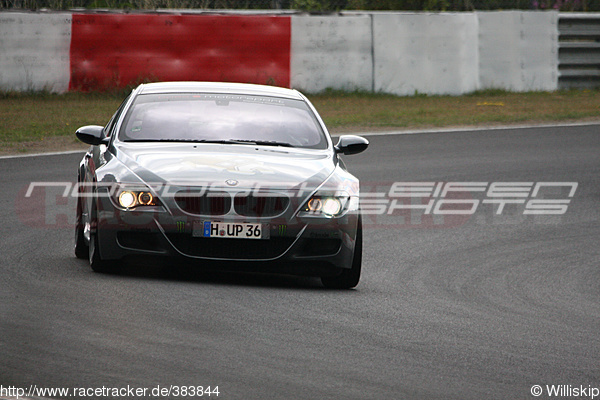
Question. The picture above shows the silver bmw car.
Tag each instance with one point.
(220, 175)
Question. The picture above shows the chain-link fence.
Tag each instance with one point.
(309, 5)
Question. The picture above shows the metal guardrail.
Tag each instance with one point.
(579, 50)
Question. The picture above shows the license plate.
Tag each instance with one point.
(229, 230)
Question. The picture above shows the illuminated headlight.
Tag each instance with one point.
(127, 199)
(329, 206)
(145, 198)
(133, 198)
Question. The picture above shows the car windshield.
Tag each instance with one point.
(222, 118)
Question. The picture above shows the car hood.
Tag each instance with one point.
(231, 165)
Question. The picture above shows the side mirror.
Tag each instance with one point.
(350, 144)
(92, 134)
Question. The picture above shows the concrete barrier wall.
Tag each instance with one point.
(34, 51)
(399, 53)
(331, 52)
(109, 50)
(518, 50)
(425, 53)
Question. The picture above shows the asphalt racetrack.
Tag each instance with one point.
(474, 306)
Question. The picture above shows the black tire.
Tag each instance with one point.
(81, 247)
(349, 278)
(96, 262)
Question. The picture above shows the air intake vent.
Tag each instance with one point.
(260, 206)
(204, 203)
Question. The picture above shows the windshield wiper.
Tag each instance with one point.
(164, 140)
(260, 142)
(225, 141)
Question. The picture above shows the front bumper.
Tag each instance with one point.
(311, 246)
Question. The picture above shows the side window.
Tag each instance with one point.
(110, 127)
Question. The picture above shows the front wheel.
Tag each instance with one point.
(96, 262)
(81, 247)
(349, 278)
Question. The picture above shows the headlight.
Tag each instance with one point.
(145, 198)
(328, 206)
(130, 198)
(127, 199)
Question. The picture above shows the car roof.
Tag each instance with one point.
(218, 87)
